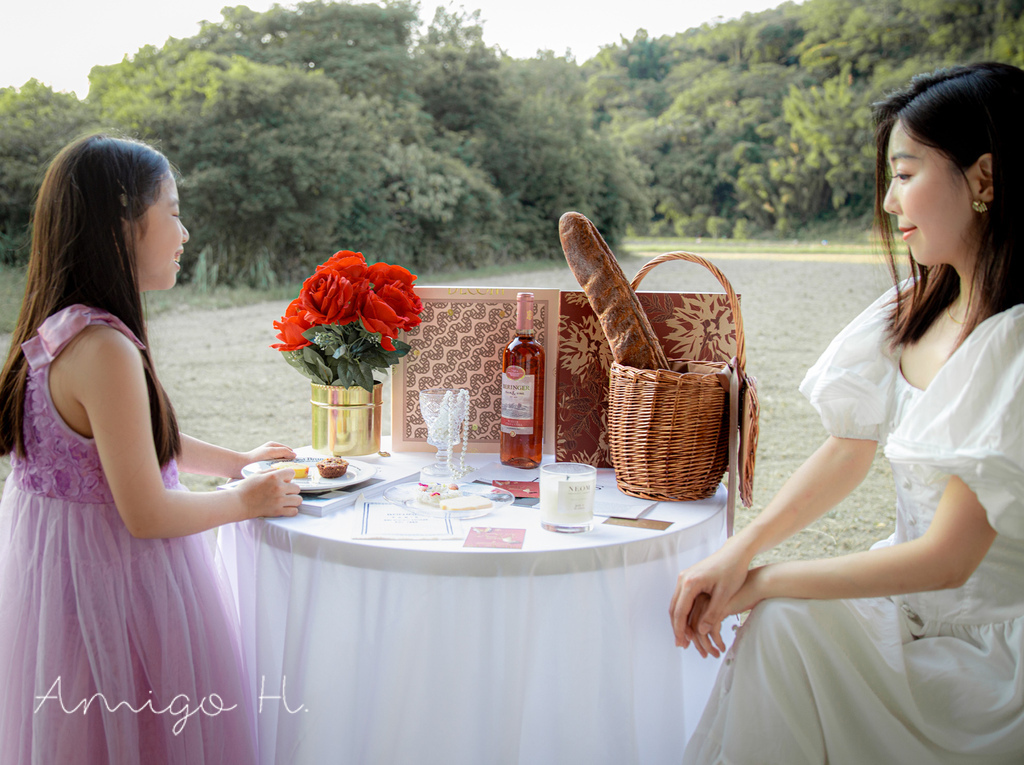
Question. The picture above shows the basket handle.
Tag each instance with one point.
(734, 305)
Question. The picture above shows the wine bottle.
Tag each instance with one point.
(522, 392)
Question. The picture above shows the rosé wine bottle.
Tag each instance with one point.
(522, 392)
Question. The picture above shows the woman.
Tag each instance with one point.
(912, 651)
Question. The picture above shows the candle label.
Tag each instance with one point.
(567, 500)
(576, 498)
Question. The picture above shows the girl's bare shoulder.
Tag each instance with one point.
(101, 343)
(99, 358)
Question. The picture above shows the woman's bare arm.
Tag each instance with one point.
(824, 479)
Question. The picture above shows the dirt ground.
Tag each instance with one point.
(230, 388)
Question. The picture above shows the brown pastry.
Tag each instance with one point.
(625, 324)
(332, 467)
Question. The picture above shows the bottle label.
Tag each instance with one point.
(517, 401)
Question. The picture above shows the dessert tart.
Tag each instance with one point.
(332, 467)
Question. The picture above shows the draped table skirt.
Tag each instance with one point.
(363, 651)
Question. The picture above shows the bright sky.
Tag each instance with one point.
(58, 41)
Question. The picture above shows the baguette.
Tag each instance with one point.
(622, 318)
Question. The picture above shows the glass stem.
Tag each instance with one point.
(442, 458)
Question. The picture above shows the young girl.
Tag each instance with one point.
(912, 652)
(117, 639)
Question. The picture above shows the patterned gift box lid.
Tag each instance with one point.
(459, 344)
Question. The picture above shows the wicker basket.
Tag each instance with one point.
(671, 432)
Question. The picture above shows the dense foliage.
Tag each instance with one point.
(335, 125)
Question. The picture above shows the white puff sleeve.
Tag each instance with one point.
(851, 386)
(969, 422)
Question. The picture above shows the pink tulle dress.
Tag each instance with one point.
(112, 649)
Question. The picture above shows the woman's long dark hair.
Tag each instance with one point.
(962, 112)
(83, 253)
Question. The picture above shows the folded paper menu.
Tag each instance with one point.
(383, 520)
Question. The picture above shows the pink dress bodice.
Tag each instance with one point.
(59, 462)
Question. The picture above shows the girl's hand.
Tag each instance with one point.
(207, 459)
(271, 494)
(702, 596)
(269, 451)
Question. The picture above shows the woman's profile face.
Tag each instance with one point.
(931, 200)
(160, 242)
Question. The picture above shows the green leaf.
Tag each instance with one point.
(324, 372)
(363, 377)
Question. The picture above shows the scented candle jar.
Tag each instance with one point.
(567, 496)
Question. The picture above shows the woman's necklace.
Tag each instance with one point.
(952, 318)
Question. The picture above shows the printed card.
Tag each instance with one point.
(488, 536)
(520, 489)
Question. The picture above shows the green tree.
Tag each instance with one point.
(459, 81)
(364, 47)
(270, 158)
(832, 127)
(547, 159)
(35, 123)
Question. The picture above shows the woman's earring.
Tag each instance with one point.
(978, 206)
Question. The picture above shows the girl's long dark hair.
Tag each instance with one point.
(83, 253)
(962, 112)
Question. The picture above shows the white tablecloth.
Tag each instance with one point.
(428, 652)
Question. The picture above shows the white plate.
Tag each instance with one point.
(407, 495)
(313, 484)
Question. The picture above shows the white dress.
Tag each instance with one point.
(933, 677)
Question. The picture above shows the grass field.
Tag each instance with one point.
(12, 280)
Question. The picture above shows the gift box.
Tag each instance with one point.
(459, 344)
(693, 326)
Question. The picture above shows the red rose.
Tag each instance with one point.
(394, 285)
(330, 296)
(351, 264)
(378, 316)
(291, 327)
(404, 302)
(382, 273)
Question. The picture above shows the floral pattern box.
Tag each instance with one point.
(691, 326)
(459, 345)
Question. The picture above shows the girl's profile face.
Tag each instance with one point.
(161, 241)
(932, 204)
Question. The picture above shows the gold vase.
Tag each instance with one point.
(346, 421)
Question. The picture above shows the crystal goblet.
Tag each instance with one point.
(446, 414)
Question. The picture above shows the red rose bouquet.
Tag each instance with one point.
(344, 324)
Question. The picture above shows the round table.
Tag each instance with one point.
(375, 651)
